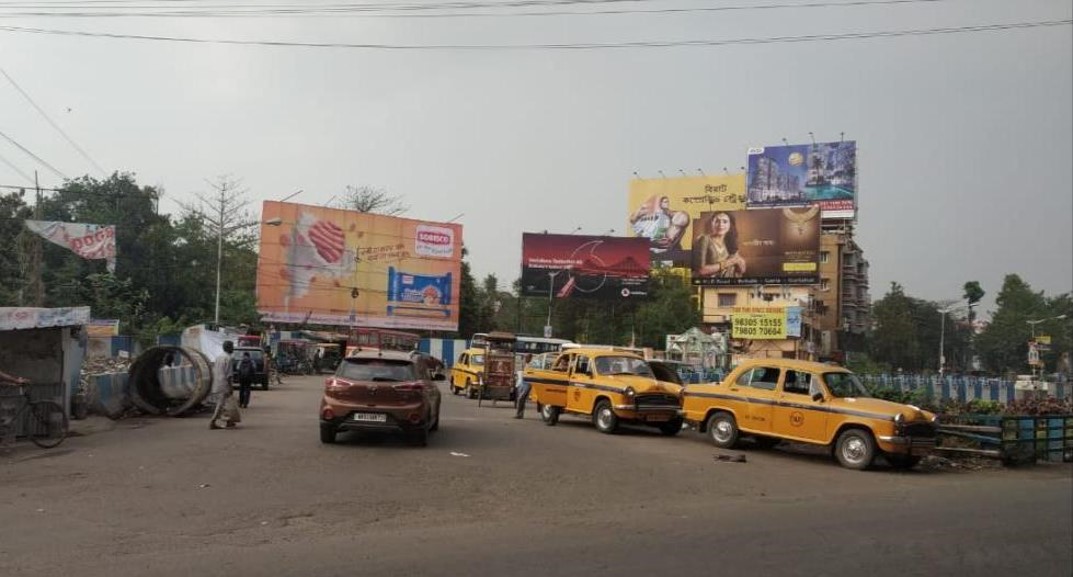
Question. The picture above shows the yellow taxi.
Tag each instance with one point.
(782, 399)
(611, 387)
(467, 373)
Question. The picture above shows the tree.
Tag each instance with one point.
(1003, 345)
(373, 200)
(228, 221)
(468, 301)
(13, 211)
(895, 341)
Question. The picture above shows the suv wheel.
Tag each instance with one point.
(855, 449)
(723, 430)
(604, 418)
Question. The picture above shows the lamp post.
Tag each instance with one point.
(942, 332)
(551, 288)
(220, 232)
(1033, 324)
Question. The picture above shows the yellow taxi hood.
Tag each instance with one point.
(882, 407)
(641, 384)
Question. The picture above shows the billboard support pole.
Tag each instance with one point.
(551, 287)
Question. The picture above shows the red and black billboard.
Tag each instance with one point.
(578, 266)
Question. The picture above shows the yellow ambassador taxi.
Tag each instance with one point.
(467, 373)
(612, 387)
(782, 399)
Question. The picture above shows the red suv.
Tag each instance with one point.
(382, 391)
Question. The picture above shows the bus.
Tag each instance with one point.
(382, 339)
(524, 345)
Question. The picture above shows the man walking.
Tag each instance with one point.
(522, 392)
(246, 371)
(226, 407)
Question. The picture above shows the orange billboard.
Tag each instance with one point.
(329, 266)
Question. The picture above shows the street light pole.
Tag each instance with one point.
(1033, 324)
(551, 287)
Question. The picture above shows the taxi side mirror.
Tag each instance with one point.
(817, 396)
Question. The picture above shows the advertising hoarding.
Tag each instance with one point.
(341, 267)
(580, 266)
(774, 246)
(758, 325)
(824, 173)
(662, 210)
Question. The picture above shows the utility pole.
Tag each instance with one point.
(37, 286)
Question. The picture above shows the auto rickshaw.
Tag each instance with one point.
(497, 380)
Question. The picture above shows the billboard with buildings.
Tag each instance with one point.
(662, 210)
(763, 246)
(566, 265)
(800, 174)
(340, 267)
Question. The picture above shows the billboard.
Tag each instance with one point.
(662, 210)
(578, 266)
(801, 174)
(759, 325)
(340, 267)
(763, 246)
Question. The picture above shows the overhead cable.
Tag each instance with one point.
(565, 46)
(34, 156)
(53, 124)
(412, 11)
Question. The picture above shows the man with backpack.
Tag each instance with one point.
(246, 373)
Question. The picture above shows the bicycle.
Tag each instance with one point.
(46, 422)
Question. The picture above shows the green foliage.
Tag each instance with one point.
(1003, 345)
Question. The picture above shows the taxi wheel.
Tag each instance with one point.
(855, 449)
(723, 430)
(604, 418)
(471, 391)
(549, 414)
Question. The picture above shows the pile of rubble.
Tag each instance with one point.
(101, 366)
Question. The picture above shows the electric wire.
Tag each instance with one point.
(53, 124)
(571, 46)
(416, 11)
(34, 156)
(17, 170)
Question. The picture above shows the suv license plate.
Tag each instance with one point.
(371, 417)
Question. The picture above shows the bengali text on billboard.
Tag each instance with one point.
(580, 266)
(340, 267)
(763, 246)
(662, 210)
(799, 174)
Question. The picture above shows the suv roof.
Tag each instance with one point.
(382, 354)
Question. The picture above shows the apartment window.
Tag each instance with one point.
(825, 284)
(728, 300)
(825, 256)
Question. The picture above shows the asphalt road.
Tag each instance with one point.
(491, 495)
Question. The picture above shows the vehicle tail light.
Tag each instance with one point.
(415, 417)
(327, 414)
(409, 387)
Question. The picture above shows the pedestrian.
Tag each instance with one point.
(522, 392)
(226, 407)
(316, 362)
(246, 372)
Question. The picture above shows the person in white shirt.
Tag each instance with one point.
(226, 407)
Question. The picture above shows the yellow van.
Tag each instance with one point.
(611, 387)
(782, 399)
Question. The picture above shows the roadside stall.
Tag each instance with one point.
(45, 346)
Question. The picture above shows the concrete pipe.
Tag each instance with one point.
(171, 393)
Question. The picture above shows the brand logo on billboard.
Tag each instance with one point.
(434, 241)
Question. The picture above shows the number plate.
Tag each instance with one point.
(370, 417)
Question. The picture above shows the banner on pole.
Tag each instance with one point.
(89, 241)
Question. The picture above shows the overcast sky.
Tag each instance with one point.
(965, 141)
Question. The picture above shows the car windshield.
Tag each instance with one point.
(614, 365)
(376, 370)
(668, 372)
(476, 359)
(845, 385)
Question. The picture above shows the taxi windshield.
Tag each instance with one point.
(845, 385)
(613, 365)
(476, 359)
